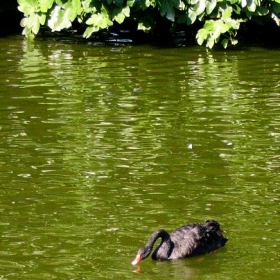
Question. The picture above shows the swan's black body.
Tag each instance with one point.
(186, 241)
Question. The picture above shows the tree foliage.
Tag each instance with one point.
(220, 18)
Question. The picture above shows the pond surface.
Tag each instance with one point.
(101, 145)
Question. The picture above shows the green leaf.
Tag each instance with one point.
(76, 4)
(59, 19)
(237, 10)
(210, 25)
(193, 2)
(233, 24)
(99, 21)
(276, 7)
(243, 3)
(167, 8)
(31, 23)
(27, 33)
(87, 7)
(130, 3)
(62, 16)
(23, 22)
(119, 3)
(251, 5)
(170, 14)
(201, 35)
(35, 18)
(42, 19)
(191, 16)
(225, 43)
(212, 31)
(227, 12)
(73, 8)
(27, 7)
(70, 14)
(199, 8)
(275, 18)
(119, 14)
(141, 26)
(182, 18)
(126, 11)
(89, 30)
(94, 19)
(45, 5)
(210, 6)
(120, 17)
(210, 43)
(249, 14)
(141, 4)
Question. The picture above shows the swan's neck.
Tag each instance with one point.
(164, 248)
(161, 233)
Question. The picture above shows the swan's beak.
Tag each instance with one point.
(137, 260)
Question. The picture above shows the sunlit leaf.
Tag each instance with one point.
(27, 7)
(43, 19)
(201, 35)
(243, 3)
(59, 19)
(210, 43)
(191, 17)
(210, 6)
(94, 19)
(251, 5)
(275, 18)
(35, 18)
(126, 11)
(97, 22)
(199, 7)
(45, 5)
(141, 26)
(210, 25)
(119, 18)
(73, 9)
(227, 12)
(89, 30)
(23, 22)
(76, 4)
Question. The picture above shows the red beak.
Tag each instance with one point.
(137, 260)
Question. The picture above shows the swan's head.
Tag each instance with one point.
(142, 254)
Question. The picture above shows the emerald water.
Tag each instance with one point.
(102, 145)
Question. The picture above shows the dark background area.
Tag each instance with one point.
(10, 18)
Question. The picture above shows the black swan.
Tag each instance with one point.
(186, 241)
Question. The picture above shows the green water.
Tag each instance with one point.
(101, 145)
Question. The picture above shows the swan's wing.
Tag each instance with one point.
(187, 241)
